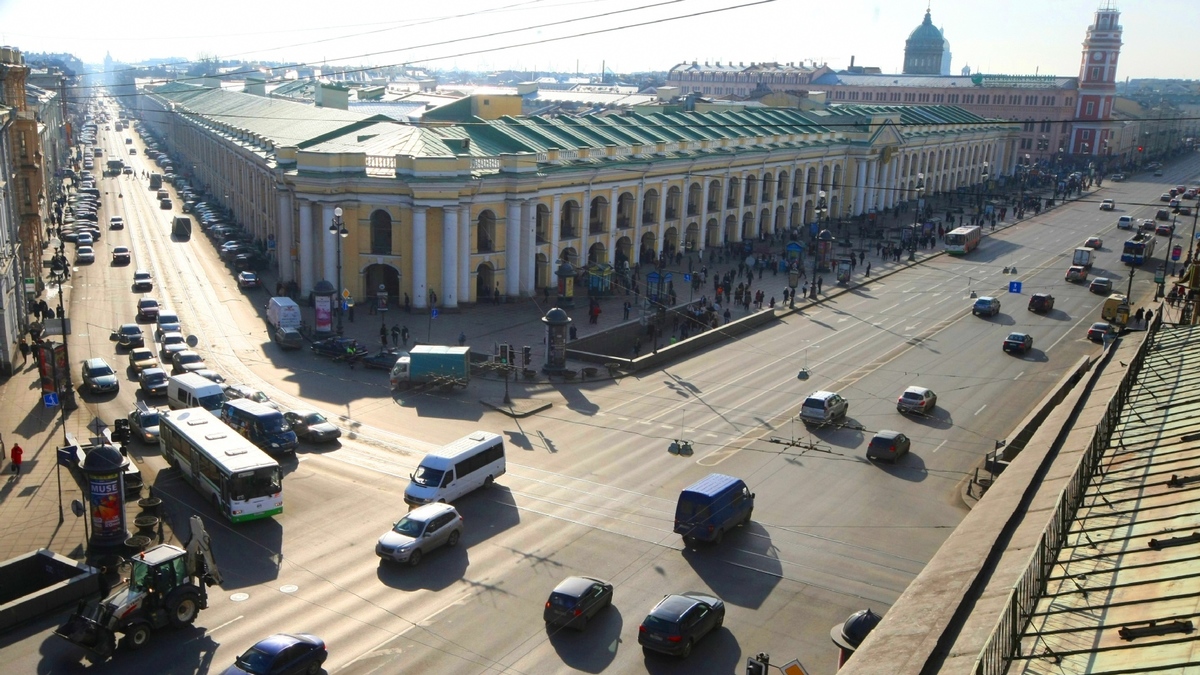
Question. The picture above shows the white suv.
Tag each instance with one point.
(422, 530)
(823, 407)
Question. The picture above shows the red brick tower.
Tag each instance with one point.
(1097, 84)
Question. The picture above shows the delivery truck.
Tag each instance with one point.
(1083, 257)
(433, 364)
(283, 312)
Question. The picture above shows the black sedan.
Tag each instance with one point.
(679, 621)
(576, 600)
(1041, 302)
(383, 359)
(1018, 343)
(312, 426)
(339, 347)
(281, 654)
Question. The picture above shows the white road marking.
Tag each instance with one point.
(1018, 376)
(981, 409)
(939, 447)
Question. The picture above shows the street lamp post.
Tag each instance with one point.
(338, 229)
(983, 179)
(919, 189)
(822, 209)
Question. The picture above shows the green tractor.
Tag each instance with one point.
(166, 587)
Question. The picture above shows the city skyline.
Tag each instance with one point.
(622, 35)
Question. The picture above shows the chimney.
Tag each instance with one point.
(851, 60)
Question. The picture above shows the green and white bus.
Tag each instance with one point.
(963, 240)
(240, 480)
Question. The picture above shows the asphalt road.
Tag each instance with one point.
(590, 487)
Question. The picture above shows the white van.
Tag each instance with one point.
(190, 390)
(452, 471)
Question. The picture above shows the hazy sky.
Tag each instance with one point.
(1009, 36)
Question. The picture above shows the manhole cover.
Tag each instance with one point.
(240, 597)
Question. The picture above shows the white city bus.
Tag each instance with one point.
(963, 240)
(240, 480)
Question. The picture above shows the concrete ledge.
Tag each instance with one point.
(40, 582)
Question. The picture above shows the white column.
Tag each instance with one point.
(420, 242)
(612, 226)
(449, 296)
(739, 208)
(464, 253)
(889, 190)
(307, 261)
(283, 238)
(872, 180)
(703, 217)
(512, 248)
(328, 245)
(555, 230)
(860, 183)
(528, 246)
(803, 169)
(662, 217)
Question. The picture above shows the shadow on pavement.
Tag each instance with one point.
(717, 652)
(742, 570)
(592, 649)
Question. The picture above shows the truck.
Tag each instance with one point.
(283, 312)
(166, 587)
(1083, 257)
(115, 165)
(434, 365)
(155, 181)
(181, 228)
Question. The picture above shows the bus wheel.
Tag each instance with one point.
(488, 482)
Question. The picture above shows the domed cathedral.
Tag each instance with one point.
(926, 52)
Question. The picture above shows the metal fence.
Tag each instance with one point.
(1004, 644)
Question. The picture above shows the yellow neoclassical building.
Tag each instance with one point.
(453, 211)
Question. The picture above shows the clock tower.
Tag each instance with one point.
(1097, 84)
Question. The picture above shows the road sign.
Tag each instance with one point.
(97, 426)
(1014, 287)
(50, 399)
(345, 305)
(1176, 252)
(433, 313)
(687, 277)
(793, 668)
(346, 293)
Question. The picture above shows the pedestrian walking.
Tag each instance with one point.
(407, 304)
(820, 281)
(395, 335)
(462, 339)
(17, 456)
(24, 351)
(727, 315)
(625, 308)
(1149, 317)
(637, 347)
(383, 333)
(868, 269)
(404, 335)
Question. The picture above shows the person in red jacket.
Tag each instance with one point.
(17, 453)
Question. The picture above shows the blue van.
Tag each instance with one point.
(712, 506)
(262, 426)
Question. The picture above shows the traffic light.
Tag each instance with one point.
(1140, 148)
(503, 356)
(528, 353)
(757, 665)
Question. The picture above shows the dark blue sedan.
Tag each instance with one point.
(678, 622)
(282, 654)
(1018, 343)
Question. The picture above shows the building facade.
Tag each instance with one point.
(455, 213)
(732, 79)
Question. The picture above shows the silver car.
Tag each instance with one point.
(823, 407)
(421, 531)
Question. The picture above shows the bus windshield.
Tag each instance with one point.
(257, 483)
(427, 476)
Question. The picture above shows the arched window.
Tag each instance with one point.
(381, 233)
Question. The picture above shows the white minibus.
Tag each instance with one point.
(452, 471)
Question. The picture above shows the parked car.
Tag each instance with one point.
(424, 529)
(985, 305)
(288, 338)
(129, 335)
(282, 654)
(153, 381)
(142, 281)
(917, 399)
(141, 358)
(1041, 302)
(823, 407)
(248, 280)
(249, 393)
(575, 600)
(1099, 330)
(143, 422)
(1018, 343)
(99, 377)
(1101, 285)
(1077, 273)
(147, 309)
(312, 426)
(888, 445)
(1117, 177)
(678, 622)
